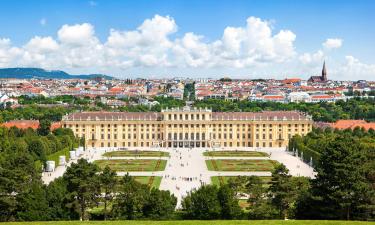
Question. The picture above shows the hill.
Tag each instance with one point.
(28, 73)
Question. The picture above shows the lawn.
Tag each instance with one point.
(126, 165)
(241, 165)
(154, 181)
(136, 154)
(235, 154)
(215, 180)
(195, 222)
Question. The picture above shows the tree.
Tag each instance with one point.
(17, 172)
(32, 205)
(38, 149)
(230, 208)
(83, 186)
(255, 189)
(108, 183)
(57, 198)
(159, 205)
(44, 127)
(202, 204)
(281, 189)
(341, 187)
(131, 199)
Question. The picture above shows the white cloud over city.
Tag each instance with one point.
(255, 46)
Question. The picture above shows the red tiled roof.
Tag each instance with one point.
(22, 124)
(344, 124)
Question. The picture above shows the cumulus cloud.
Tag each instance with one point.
(153, 45)
(354, 69)
(332, 43)
(79, 34)
(312, 58)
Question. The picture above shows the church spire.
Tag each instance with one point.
(324, 72)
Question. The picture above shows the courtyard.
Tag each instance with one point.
(181, 170)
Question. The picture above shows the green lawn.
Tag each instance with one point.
(146, 180)
(195, 222)
(240, 165)
(136, 154)
(125, 165)
(235, 154)
(215, 180)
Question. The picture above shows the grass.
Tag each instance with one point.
(128, 165)
(153, 181)
(235, 154)
(197, 222)
(156, 180)
(55, 156)
(241, 165)
(215, 180)
(136, 154)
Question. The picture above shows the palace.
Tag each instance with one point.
(188, 127)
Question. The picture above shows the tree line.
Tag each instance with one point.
(355, 108)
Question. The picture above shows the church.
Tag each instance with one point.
(322, 78)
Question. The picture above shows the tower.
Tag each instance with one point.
(324, 72)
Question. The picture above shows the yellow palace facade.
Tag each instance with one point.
(188, 128)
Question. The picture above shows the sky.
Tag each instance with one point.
(153, 39)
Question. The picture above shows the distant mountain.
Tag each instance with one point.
(28, 73)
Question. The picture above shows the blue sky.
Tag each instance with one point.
(349, 55)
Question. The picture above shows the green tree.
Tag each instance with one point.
(108, 183)
(341, 186)
(32, 205)
(131, 199)
(230, 208)
(160, 205)
(57, 197)
(281, 190)
(202, 204)
(255, 189)
(44, 127)
(83, 186)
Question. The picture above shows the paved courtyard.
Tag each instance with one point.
(186, 168)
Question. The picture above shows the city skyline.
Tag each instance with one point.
(249, 39)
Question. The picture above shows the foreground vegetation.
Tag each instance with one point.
(197, 222)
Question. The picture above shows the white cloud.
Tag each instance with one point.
(354, 69)
(78, 34)
(332, 43)
(255, 47)
(43, 21)
(8, 54)
(42, 45)
(312, 58)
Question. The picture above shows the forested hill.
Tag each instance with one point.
(28, 73)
